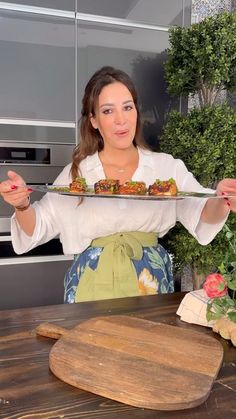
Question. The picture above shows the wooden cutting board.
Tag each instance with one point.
(137, 362)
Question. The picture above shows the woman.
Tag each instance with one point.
(115, 241)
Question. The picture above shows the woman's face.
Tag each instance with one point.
(116, 116)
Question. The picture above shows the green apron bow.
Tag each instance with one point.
(115, 276)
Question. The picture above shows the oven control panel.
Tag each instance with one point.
(26, 155)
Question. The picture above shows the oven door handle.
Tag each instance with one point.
(34, 259)
(5, 238)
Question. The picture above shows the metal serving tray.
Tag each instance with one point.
(64, 190)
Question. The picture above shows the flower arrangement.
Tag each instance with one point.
(220, 287)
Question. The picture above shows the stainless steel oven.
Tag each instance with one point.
(35, 278)
(36, 163)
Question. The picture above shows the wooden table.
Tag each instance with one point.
(29, 390)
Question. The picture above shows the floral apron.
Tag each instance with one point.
(153, 271)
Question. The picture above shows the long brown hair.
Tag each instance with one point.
(90, 138)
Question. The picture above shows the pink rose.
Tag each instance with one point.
(215, 285)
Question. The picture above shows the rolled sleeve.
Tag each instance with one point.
(21, 242)
(189, 214)
(205, 232)
(189, 210)
(44, 230)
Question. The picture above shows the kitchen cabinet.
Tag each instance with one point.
(37, 67)
(49, 52)
(32, 281)
(52, 4)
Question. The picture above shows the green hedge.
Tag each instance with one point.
(205, 140)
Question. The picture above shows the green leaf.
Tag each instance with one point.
(232, 316)
(221, 286)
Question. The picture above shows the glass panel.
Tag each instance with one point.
(157, 12)
(33, 134)
(140, 53)
(37, 67)
(51, 4)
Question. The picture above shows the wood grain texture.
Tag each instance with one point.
(137, 362)
(29, 390)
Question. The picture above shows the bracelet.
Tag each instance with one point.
(25, 207)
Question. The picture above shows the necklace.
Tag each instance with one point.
(120, 170)
(117, 169)
(109, 165)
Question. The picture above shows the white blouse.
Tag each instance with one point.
(77, 225)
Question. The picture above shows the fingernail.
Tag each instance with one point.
(228, 204)
(226, 199)
(222, 193)
(30, 189)
(13, 187)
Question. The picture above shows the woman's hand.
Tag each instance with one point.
(14, 190)
(228, 187)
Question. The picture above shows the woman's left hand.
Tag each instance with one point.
(228, 187)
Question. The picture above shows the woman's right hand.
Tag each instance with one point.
(14, 190)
